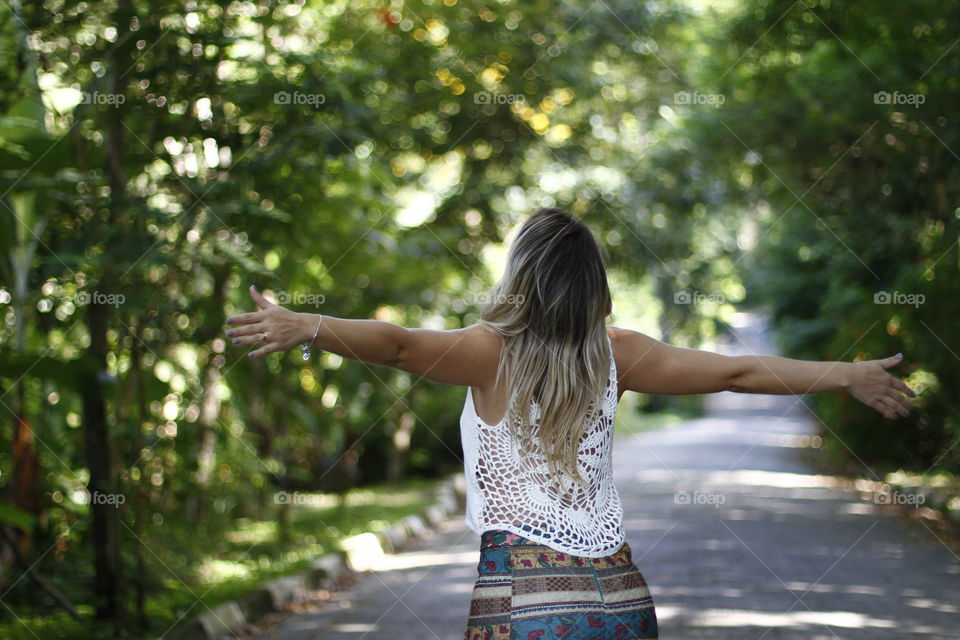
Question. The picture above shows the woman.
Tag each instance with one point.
(554, 562)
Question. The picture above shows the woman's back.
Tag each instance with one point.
(513, 490)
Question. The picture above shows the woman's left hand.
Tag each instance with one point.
(272, 328)
(874, 387)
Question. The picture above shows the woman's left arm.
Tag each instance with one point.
(459, 357)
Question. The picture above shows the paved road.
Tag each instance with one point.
(737, 537)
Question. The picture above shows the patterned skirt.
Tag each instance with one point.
(528, 591)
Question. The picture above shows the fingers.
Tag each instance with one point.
(886, 363)
(901, 400)
(246, 318)
(902, 386)
(252, 338)
(262, 351)
(249, 329)
(253, 316)
(249, 334)
(899, 404)
(884, 408)
(892, 405)
(262, 302)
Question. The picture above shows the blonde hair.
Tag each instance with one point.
(550, 308)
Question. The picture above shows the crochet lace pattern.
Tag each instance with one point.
(510, 491)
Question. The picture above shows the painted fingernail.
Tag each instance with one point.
(899, 355)
(229, 334)
(229, 320)
(250, 355)
(236, 341)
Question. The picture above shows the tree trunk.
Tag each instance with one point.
(26, 466)
(105, 516)
(136, 416)
(209, 412)
(397, 462)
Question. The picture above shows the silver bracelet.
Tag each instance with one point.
(305, 347)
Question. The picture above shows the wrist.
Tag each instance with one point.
(848, 375)
(307, 323)
(313, 326)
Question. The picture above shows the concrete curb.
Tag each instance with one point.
(362, 552)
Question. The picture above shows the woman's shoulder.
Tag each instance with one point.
(490, 343)
(616, 335)
(483, 335)
(486, 345)
(489, 340)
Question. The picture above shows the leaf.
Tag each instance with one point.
(16, 517)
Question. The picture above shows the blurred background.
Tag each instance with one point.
(369, 159)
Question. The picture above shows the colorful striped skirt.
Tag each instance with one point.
(528, 591)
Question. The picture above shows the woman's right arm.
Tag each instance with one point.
(465, 357)
(650, 366)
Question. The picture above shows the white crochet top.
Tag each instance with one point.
(507, 491)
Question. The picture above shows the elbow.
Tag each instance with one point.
(395, 361)
(398, 354)
(739, 380)
(736, 384)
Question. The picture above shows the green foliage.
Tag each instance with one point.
(220, 559)
(839, 133)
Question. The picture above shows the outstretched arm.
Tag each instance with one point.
(460, 357)
(651, 366)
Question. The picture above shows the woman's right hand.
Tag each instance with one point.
(272, 328)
